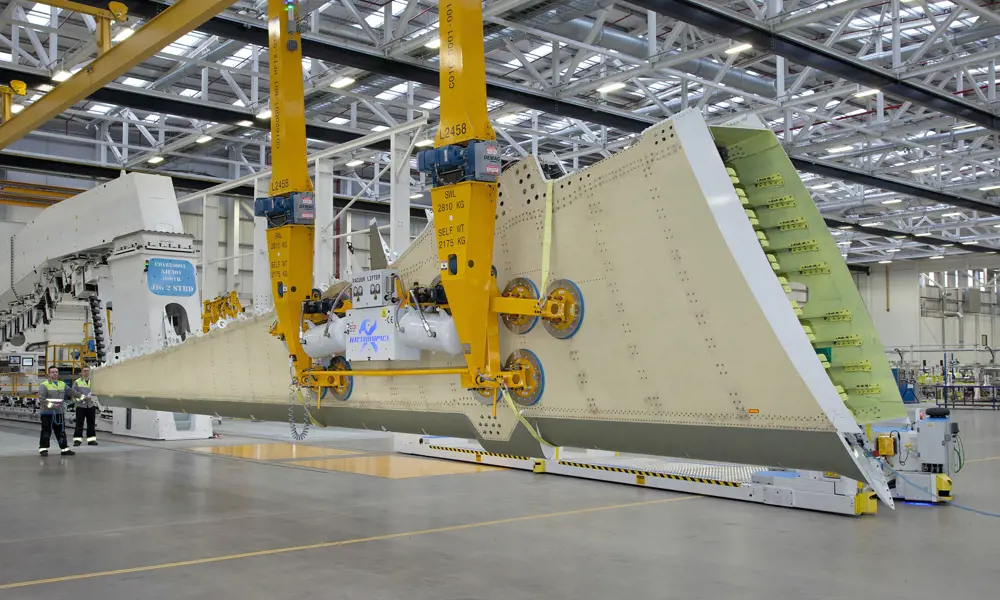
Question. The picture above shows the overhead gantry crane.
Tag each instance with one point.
(464, 167)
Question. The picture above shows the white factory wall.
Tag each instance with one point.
(907, 313)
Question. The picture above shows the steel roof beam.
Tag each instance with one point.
(732, 25)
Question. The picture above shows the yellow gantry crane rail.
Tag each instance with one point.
(165, 28)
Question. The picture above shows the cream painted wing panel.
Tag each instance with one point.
(684, 345)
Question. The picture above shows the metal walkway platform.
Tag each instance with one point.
(825, 492)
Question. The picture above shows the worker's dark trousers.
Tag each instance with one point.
(52, 423)
(90, 414)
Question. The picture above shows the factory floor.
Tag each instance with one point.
(259, 519)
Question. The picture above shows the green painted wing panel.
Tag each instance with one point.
(801, 250)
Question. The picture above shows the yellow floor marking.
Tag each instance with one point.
(272, 451)
(983, 459)
(395, 467)
(377, 538)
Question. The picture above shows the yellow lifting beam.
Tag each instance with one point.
(180, 18)
(290, 247)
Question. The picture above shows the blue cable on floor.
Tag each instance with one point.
(985, 513)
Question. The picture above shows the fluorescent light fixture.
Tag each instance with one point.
(964, 126)
(435, 43)
(892, 250)
(356, 163)
(822, 186)
(884, 262)
(952, 214)
(947, 245)
(864, 93)
(204, 139)
(899, 237)
(264, 114)
(44, 88)
(892, 201)
(342, 82)
(611, 87)
(61, 76)
(922, 170)
(989, 187)
(936, 257)
(245, 123)
(155, 160)
(123, 35)
(16, 108)
(924, 234)
(875, 224)
(424, 143)
(840, 149)
(738, 48)
(416, 196)
(972, 243)
(846, 227)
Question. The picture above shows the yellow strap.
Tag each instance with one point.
(520, 417)
(546, 239)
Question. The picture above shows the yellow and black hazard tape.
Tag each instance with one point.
(478, 452)
(650, 474)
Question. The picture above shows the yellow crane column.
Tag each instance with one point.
(289, 207)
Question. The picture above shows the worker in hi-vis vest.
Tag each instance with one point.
(52, 394)
(86, 409)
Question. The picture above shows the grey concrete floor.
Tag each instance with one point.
(506, 534)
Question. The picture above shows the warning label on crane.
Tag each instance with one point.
(170, 277)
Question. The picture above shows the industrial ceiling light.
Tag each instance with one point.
(155, 160)
(836, 149)
(264, 114)
(123, 35)
(611, 87)
(45, 88)
(952, 214)
(435, 43)
(61, 76)
(989, 187)
(884, 262)
(204, 139)
(864, 93)
(936, 257)
(416, 196)
(245, 123)
(875, 224)
(424, 143)
(846, 227)
(16, 108)
(899, 237)
(964, 126)
(355, 163)
(892, 201)
(924, 234)
(342, 82)
(922, 170)
(738, 48)
(972, 243)
(822, 186)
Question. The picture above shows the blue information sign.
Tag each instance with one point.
(171, 277)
